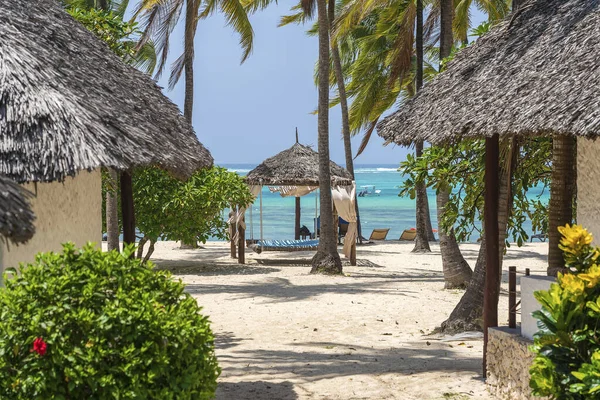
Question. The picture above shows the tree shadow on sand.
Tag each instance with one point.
(255, 390)
(283, 290)
(313, 361)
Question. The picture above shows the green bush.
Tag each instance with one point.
(567, 346)
(84, 324)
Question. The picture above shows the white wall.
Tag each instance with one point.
(588, 186)
(65, 212)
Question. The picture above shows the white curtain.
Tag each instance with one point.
(237, 216)
(343, 198)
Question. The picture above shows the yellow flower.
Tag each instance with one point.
(572, 284)
(592, 276)
(574, 238)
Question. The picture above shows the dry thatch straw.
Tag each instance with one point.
(296, 166)
(536, 73)
(16, 217)
(67, 103)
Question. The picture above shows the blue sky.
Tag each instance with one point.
(246, 113)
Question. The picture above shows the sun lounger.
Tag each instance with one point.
(284, 245)
(408, 234)
(540, 236)
(379, 234)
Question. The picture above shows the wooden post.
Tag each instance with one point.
(297, 231)
(232, 230)
(527, 271)
(492, 275)
(127, 209)
(353, 254)
(512, 297)
(241, 245)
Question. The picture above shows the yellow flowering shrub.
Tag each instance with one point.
(567, 345)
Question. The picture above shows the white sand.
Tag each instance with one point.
(282, 333)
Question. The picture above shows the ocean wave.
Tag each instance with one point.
(375, 170)
(238, 170)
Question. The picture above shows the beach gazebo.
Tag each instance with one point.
(67, 105)
(295, 172)
(16, 217)
(536, 73)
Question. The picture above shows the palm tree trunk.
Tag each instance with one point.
(188, 55)
(454, 265)
(446, 34)
(326, 260)
(341, 84)
(457, 273)
(468, 313)
(190, 31)
(562, 193)
(422, 209)
(112, 212)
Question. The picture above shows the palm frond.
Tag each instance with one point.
(237, 17)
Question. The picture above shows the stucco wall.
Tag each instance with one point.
(69, 211)
(588, 186)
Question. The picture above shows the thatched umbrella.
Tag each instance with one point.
(296, 167)
(536, 73)
(67, 104)
(16, 217)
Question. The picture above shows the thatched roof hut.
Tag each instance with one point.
(67, 103)
(16, 217)
(536, 73)
(296, 166)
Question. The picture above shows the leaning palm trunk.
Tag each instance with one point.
(339, 76)
(112, 211)
(326, 260)
(454, 265)
(562, 193)
(468, 313)
(457, 273)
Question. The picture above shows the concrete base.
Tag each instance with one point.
(529, 304)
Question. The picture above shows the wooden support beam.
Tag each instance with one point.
(512, 297)
(298, 211)
(232, 231)
(241, 245)
(492, 275)
(127, 208)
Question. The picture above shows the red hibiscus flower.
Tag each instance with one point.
(39, 346)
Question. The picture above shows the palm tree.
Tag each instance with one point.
(160, 18)
(562, 194)
(422, 209)
(326, 260)
(457, 273)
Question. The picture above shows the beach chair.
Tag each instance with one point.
(379, 234)
(540, 236)
(409, 234)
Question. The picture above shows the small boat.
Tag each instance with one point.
(368, 190)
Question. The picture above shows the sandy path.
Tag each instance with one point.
(282, 333)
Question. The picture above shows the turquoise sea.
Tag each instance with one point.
(387, 210)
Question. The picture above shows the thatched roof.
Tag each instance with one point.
(67, 103)
(16, 217)
(536, 73)
(296, 166)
